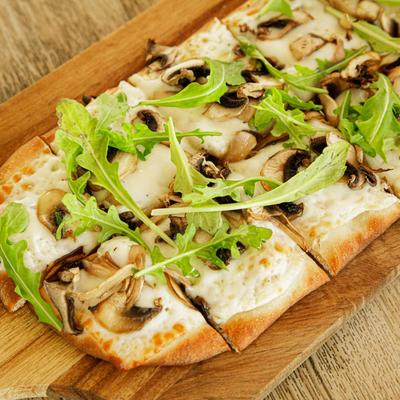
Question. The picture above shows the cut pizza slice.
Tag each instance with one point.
(36, 178)
(130, 322)
(334, 223)
(256, 288)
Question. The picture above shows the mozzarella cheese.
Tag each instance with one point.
(152, 178)
(47, 173)
(254, 279)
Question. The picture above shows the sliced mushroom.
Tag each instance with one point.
(347, 6)
(210, 166)
(390, 23)
(317, 144)
(278, 26)
(253, 76)
(283, 165)
(368, 10)
(252, 89)
(114, 314)
(185, 72)
(177, 225)
(292, 210)
(68, 261)
(362, 69)
(394, 76)
(50, 209)
(335, 84)
(158, 56)
(219, 112)
(329, 106)
(339, 53)
(306, 45)
(241, 146)
(176, 289)
(152, 119)
(64, 304)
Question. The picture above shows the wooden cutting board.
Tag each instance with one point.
(38, 361)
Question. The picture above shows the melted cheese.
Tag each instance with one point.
(151, 178)
(322, 24)
(254, 279)
(43, 248)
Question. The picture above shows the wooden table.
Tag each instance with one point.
(362, 361)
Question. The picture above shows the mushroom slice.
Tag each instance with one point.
(185, 72)
(362, 69)
(175, 288)
(278, 26)
(210, 166)
(64, 304)
(306, 45)
(390, 24)
(339, 53)
(50, 209)
(283, 165)
(368, 10)
(219, 112)
(70, 260)
(329, 106)
(100, 267)
(335, 84)
(317, 144)
(158, 56)
(241, 146)
(291, 210)
(347, 6)
(251, 89)
(127, 163)
(152, 119)
(260, 77)
(115, 315)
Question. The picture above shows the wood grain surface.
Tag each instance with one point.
(362, 361)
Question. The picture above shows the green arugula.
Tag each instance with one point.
(15, 219)
(110, 109)
(140, 139)
(80, 126)
(295, 102)
(327, 169)
(377, 122)
(291, 122)
(306, 79)
(391, 3)
(247, 235)
(280, 6)
(87, 216)
(378, 39)
(196, 94)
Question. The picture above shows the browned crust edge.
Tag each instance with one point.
(344, 243)
(190, 348)
(23, 157)
(11, 300)
(245, 327)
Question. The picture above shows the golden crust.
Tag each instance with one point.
(11, 300)
(23, 158)
(192, 347)
(244, 328)
(344, 243)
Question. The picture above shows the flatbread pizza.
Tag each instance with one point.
(179, 214)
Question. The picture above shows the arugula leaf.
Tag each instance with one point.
(223, 188)
(280, 6)
(15, 219)
(195, 94)
(247, 235)
(87, 216)
(94, 158)
(272, 108)
(327, 169)
(110, 109)
(208, 222)
(140, 139)
(306, 79)
(186, 176)
(378, 122)
(295, 102)
(71, 150)
(391, 3)
(378, 39)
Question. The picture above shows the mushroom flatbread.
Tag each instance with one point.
(178, 215)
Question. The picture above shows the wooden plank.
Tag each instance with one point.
(90, 378)
(101, 66)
